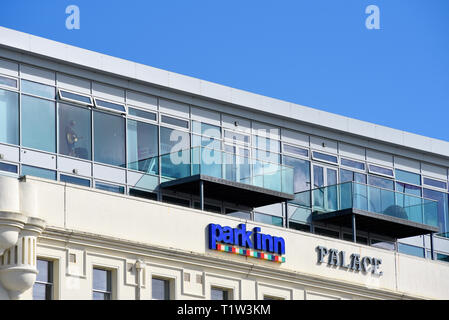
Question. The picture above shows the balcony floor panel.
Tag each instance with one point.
(226, 190)
(375, 223)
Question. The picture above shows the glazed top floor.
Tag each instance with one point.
(81, 71)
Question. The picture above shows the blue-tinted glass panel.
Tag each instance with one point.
(75, 131)
(295, 150)
(41, 291)
(109, 139)
(175, 121)
(268, 219)
(160, 289)
(110, 105)
(143, 147)
(381, 182)
(8, 167)
(237, 213)
(174, 140)
(324, 157)
(266, 143)
(408, 177)
(4, 81)
(75, 97)
(74, 180)
(236, 137)
(44, 268)
(199, 141)
(101, 280)
(409, 189)
(435, 183)
(38, 89)
(38, 172)
(442, 257)
(442, 198)
(38, 124)
(411, 250)
(142, 114)
(347, 176)
(380, 170)
(109, 187)
(352, 164)
(218, 294)
(101, 295)
(301, 173)
(206, 129)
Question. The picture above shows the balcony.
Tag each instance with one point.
(226, 176)
(371, 209)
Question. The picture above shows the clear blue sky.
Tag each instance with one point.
(316, 53)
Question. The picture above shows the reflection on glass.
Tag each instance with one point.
(408, 177)
(435, 183)
(143, 147)
(109, 187)
(160, 289)
(74, 180)
(380, 170)
(175, 121)
(74, 131)
(411, 250)
(9, 117)
(206, 129)
(268, 219)
(4, 81)
(101, 284)
(38, 124)
(109, 139)
(324, 157)
(266, 144)
(237, 213)
(296, 150)
(38, 172)
(142, 114)
(8, 167)
(76, 97)
(38, 89)
(442, 207)
(43, 287)
(218, 294)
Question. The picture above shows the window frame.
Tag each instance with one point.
(169, 285)
(60, 96)
(229, 292)
(336, 163)
(112, 184)
(424, 185)
(97, 106)
(352, 168)
(236, 142)
(393, 176)
(137, 118)
(111, 284)
(52, 272)
(284, 152)
(3, 86)
(174, 126)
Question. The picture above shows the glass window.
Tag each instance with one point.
(8, 167)
(381, 182)
(238, 213)
(110, 105)
(388, 245)
(327, 232)
(74, 131)
(266, 156)
(142, 194)
(10, 82)
(299, 226)
(301, 173)
(143, 147)
(207, 207)
(359, 239)
(411, 250)
(38, 124)
(380, 170)
(206, 129)
(408, 177)
(206, 142)
(109, 139)
(70, 96)
(43, 287)
(9, 117)
(408, 188)
(442, 198)
(236, 137)
(174, 140)
(160, 289)
(347, 176)
(176, 201)
(324, 157)
(74, 180)
(109, 187)
(175, 121)
(268, 219)
(38, 172)
(102, 284)
(295, 150)
(272, 298)
(38, 89)
(142, 114)
(352, 164)
(442, 257)
(266, 144)
(219, 294)
(434, 183)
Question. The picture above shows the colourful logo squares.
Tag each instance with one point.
(250, 253)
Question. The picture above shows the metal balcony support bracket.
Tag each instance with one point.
(432, 253)
(202, 195)
(354, 231)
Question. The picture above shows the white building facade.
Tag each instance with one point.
(122, 181)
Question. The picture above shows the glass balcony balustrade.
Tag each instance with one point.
(227, 166)
(370, 199)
